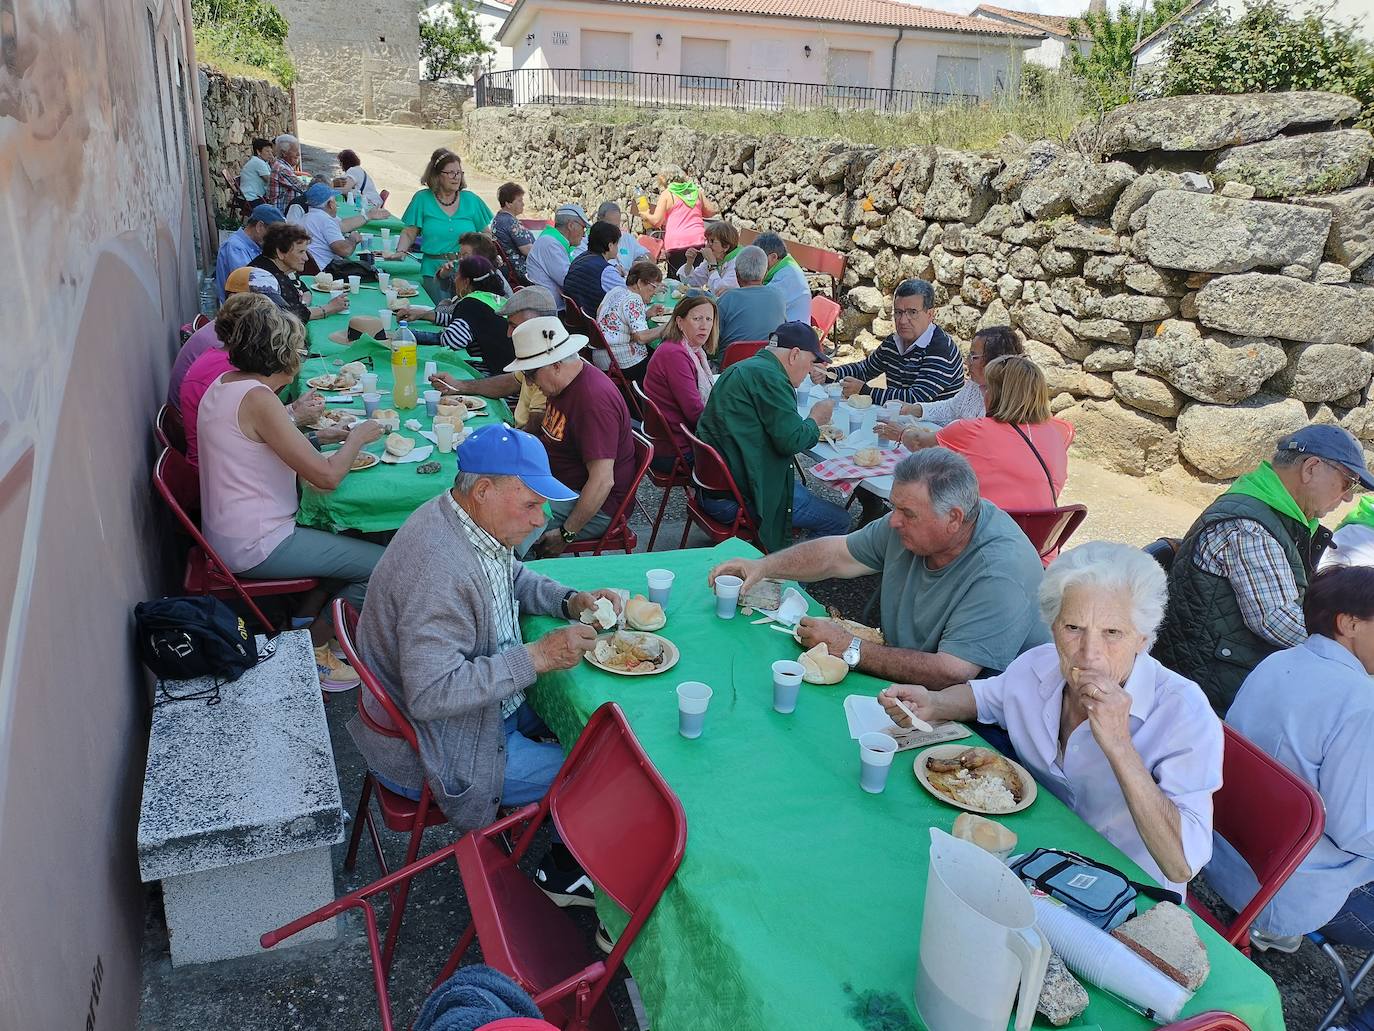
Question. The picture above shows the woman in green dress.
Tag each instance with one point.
(439, 215)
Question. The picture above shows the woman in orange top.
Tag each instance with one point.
(1019, 453)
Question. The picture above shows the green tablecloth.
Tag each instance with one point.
(347, 210)
(382, 497)
(799, 901)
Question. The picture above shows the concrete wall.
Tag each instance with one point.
(236, 110)
(99, 171)
(355, 59)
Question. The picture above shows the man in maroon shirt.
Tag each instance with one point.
(586, 431)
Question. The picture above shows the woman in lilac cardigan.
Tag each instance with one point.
(678, 379)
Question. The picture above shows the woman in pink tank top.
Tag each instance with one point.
(250, 455)
(681, 213)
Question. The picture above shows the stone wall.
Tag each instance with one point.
(1181, 320)
(441, 103)
(356, 60)
(236, 110)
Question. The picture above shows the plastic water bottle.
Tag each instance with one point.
(404, 392)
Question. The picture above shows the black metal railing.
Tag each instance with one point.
(600, 86)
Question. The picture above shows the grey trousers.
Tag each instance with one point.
(560, 511)
(345, 563)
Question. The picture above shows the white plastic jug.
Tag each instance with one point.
(979, 942)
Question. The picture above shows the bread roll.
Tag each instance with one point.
(868, 457)
(387, 418)
(355, 369)
(457, 413)
(859, 401)
(822, 667)
(643, 614)
(399, 445)
(989, 835)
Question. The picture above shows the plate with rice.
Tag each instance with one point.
(978, 780)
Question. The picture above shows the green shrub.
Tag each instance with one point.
(233, 34)
(451, 44)
(1106, 67)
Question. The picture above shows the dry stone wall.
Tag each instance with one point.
(1201, 285)
(235, 111)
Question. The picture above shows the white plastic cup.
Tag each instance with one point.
(354, 283)
(833, 390)
(875, 760)
(443, 436)
(727, 595)
(693, 697)
(893, 408)
(367, 242)
(334, 295)
(386, 317)
(660, 585)
(384, 278)
(386, 240)
(804, 394)
(431, 370)
(371, 399)
(390, 296)
(787, 678)
(839, 418)
(370, 383)
(432, 403)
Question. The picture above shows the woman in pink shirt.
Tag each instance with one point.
(250, 455)
(681, 213)
(1019, 453)
(678, 379)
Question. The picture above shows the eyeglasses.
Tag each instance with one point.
(452, 171)
(1351, 480)
(907, 313)
(975, 356)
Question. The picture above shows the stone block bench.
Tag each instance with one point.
(240, 807)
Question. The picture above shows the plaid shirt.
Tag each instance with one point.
(282, 186)
(498, 563)
(1246, 555)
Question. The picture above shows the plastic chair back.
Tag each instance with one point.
(1050, 528)
(710, 471)
(652, 245)
(617, 815)
(740, 350)
(824, 314)
(1270, 816)
(170, 431)
(395, 724)
(1213, 1021)
(535, 224)
(656, 427)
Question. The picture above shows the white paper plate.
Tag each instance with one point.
(1028, 785)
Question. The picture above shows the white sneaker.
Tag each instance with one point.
(1288, 943)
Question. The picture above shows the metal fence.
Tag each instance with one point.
(598, 86)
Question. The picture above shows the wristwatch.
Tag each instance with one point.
(568, 535)
(851, 654)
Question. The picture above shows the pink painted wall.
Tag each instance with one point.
(102, 206)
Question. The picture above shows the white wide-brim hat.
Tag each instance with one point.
(543, 341)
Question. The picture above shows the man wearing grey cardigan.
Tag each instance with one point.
(440, 629)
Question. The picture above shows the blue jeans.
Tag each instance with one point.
(1354, 925)
(530, 765)
(823, 518)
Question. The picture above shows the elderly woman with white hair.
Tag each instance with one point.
(1131, 747)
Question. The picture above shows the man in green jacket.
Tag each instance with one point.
(751, 419)
(1236, 585)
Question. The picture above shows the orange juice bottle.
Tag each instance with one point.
(404, 393)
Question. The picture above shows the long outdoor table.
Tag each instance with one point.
(799, 901)
(347, 210)
(382, 497)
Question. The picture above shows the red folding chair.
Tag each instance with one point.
(188, 328)
(170, 431)
(400, 814)
(1214, 1020)
(518, 1024)
(711, 473)
(740, 350)
(656, 428)
(179, 486)
(241, 204)
(824, 314)
(1271, 817)
(1049, 528)
(619, 535)
(652, 245)
(384, 195)
(621, 822)
(575, 320)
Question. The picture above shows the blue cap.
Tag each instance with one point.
(319, 195)
(502, 451)
(1332, 443)
(266, 214)
(799, 335)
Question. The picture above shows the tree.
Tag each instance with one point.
(1267, 49)
(1106, 67)
(451, 43)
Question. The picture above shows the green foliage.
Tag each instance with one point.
(232, 34)
(1106, 67)
(1267, 49)
(451, 43)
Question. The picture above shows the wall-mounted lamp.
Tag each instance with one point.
(529, 39)
(807, 50)
(658, 39)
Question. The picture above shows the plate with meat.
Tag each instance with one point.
(979, 780)
(633, 653)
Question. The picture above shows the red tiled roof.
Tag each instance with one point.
(1046, 22)
(884, 13)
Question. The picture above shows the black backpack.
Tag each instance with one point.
(181, 638)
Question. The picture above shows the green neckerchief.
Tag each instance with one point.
(685, 192)
(732, 255)
(1362, 513)
(783, 263)
(551, 231)
(1265, 485)
(489, 299)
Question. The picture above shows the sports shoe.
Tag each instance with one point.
(566, 887)
(1278, 942)
(604, 941)
(335, 675)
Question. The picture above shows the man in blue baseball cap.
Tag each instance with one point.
(1237, 582)
(243, 245)
(441, 631)
(332, 242)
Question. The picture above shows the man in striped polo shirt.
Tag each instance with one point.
(920, 361)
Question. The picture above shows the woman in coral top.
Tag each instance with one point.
(681, 213)
(1019, 453)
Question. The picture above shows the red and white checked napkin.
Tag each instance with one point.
(845, 475)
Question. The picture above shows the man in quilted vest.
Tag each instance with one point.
(1237, 583)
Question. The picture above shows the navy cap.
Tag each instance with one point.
(266, 214)
(502, 451)
(319, 195)
(799, 335)
(1332, 443)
